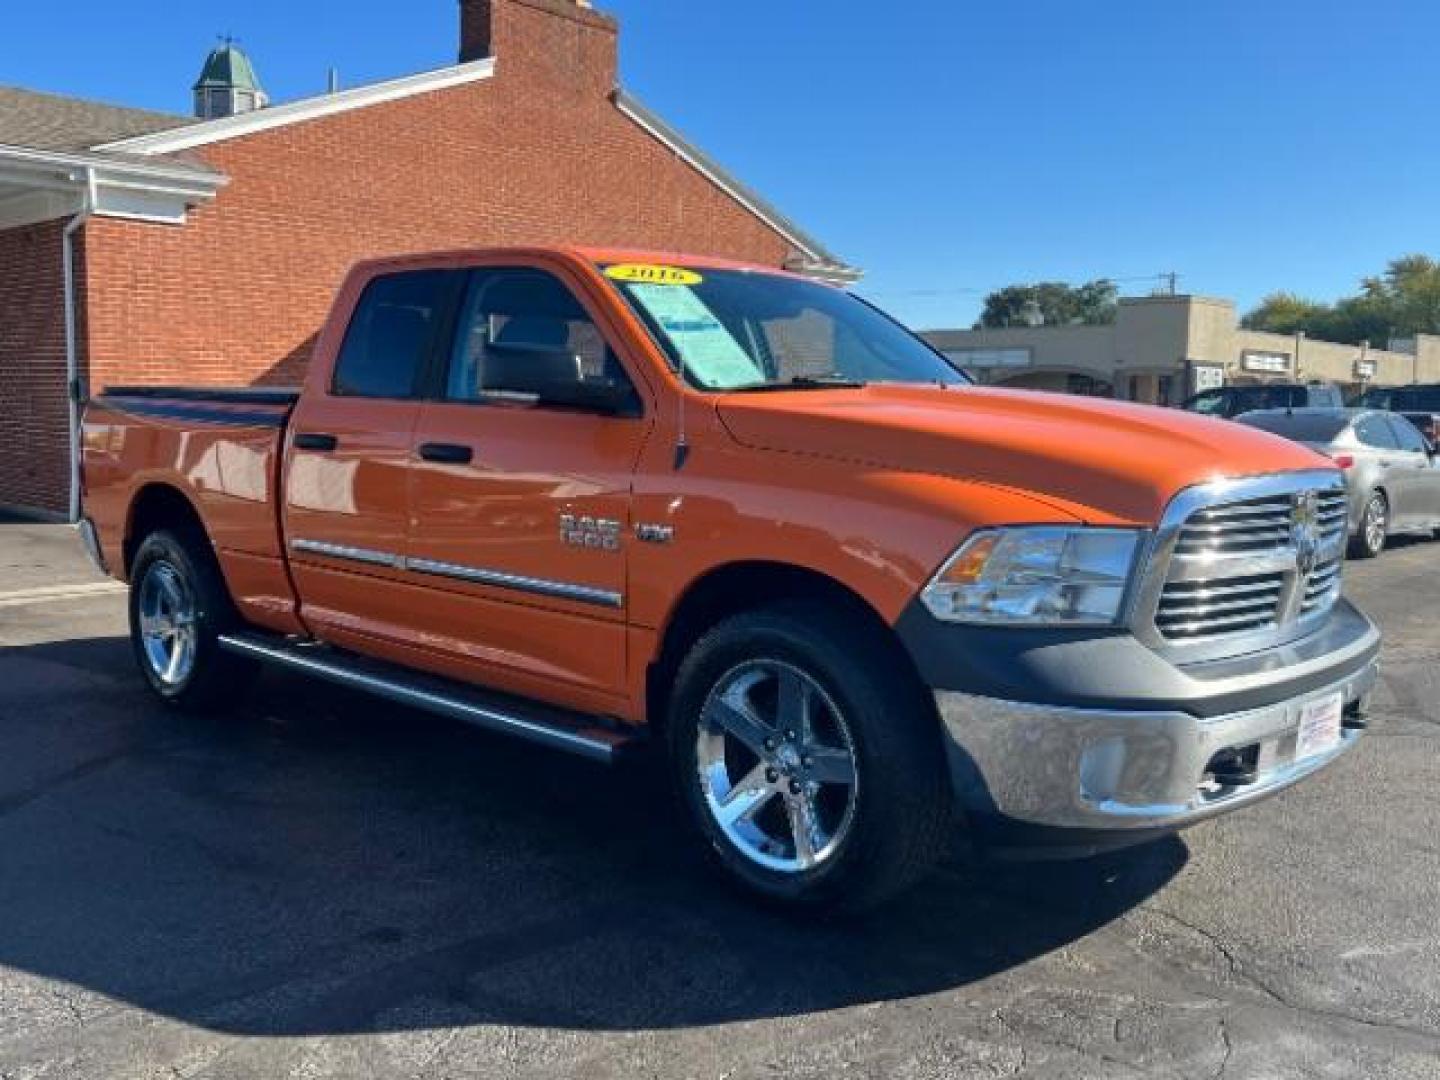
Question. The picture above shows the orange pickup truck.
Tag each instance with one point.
(600, 499)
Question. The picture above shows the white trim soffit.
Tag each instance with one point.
(69, 167)
(48, 184)
(296, 112)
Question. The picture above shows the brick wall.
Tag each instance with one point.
(538, 153)
(34, 423)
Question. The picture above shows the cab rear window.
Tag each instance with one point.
(391, 334)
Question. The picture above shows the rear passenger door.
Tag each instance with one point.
(347, 475)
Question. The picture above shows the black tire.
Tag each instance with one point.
(902, 803)
(1370, 541)
(214, 679)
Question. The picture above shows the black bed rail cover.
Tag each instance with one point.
(223, 395)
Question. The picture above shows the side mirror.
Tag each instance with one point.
(553, 377)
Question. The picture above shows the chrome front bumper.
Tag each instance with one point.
(1100, 771)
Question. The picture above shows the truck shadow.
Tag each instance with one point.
(321, 863)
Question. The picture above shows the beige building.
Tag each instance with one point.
(1162, 349)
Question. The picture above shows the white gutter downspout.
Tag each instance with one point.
(72, 336)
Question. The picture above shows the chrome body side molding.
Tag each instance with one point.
(541, 586)
(563, 590)
(350, 554)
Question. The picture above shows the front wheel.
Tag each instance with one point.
(807, 760)
(178, 608)
(1369, 541)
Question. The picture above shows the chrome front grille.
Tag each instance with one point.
(1198, 608)
(1323, 586)
(1251, 563)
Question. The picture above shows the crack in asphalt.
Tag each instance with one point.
(1233, 962)
(1247, 978)
(1229, 1048)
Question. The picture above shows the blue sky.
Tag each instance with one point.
(948, 148)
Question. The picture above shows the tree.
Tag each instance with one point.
(1401, 302)
(1053, 302)
(1285, 313)
(1409, 295)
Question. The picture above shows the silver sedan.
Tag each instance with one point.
(1390, 470)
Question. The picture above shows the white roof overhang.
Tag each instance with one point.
(41, 185)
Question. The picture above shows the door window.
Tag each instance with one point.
(1374, 432)
(521, 333)
(391, 334)
(1407, 436)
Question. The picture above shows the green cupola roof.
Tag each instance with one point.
(227, 68)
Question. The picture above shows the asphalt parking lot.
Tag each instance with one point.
(321, 886)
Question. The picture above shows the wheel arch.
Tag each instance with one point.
(157, 505)
(732, 588)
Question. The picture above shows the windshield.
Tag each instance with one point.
(1301, 427)
(743, 330)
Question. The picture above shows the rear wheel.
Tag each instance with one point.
(810, 767)
(178, 608)
(1369, 541)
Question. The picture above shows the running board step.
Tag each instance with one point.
(578, 733)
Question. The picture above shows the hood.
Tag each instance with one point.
(1108, 461)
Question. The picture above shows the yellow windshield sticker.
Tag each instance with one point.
(650, 274)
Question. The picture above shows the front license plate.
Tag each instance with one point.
(1319, 726)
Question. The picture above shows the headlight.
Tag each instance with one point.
(1036, 576)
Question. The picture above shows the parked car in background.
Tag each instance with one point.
(1230, 401)
(1390, 470)
(1419, 404)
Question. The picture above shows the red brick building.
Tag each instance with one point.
(144, 248)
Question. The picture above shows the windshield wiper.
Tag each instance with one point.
(802, 382)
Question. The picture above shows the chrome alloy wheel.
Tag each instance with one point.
(1375, 523)
(168, 629)
(776, 766)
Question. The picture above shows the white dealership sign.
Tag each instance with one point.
(1265, 363)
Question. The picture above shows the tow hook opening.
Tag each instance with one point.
(1356, 716)
(1232, 768)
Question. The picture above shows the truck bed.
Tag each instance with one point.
(218, 447)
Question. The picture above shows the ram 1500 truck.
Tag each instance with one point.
(598, 498)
